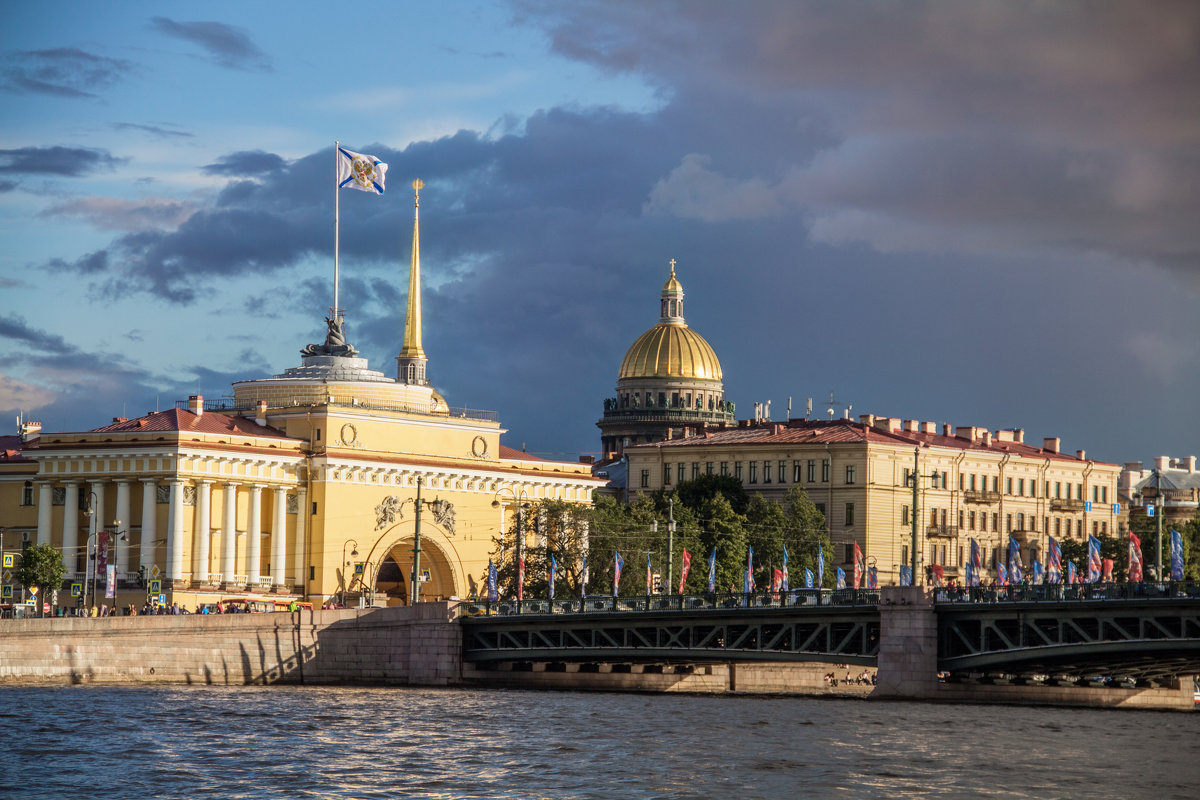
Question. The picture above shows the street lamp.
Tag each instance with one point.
(522, 502)
(345, 563)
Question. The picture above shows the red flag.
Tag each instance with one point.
(776, 579)
(1135, 558)
(687, 565)
(521, 579)
(858, 566)
(1108, 568)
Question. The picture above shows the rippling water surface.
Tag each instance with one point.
(302, 742)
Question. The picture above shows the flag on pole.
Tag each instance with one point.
(1093, 564)
(521, 578)
(553, 572)
(1135, 558)
(1016, 569)
(358, 171)
(1176, 555)
(618, 563)
(969, 580)
(1106, 569)
(841, 578)
(649, 577)
(1054, 563)
(784, 585)
(1039, 575)
(748, 578)
(1001, 573)
(712, 571)
(858, 566)
(583, 578)
(776, 579)
(906, 575)
(687, 566)
(1071, 573)
(938, 574)
(872, 577)
(808, 578)
(492, 593)
(820, 566)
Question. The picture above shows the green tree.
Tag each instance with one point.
(1190, 533)
(803, 532)
(695, 492)
(722, 529)
(1110, 547)
(41, 566)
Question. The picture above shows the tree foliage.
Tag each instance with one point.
(41, 566)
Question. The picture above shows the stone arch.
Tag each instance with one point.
(438, 555)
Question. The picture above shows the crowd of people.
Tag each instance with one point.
(864, 678)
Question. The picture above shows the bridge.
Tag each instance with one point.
(1142, 635)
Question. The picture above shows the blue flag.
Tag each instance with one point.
(712, 571)
(492, 594)
(618, 563)
(808, 579)
(784, 585)
(1016, 569)
(583, 576)
(970, 571)
(841, 578)
(1093, 563)
(1054, 563)
(553, 571)
(906, 574)
(1176, 556)
(748, 578)
(1071, 573)
(820, 566)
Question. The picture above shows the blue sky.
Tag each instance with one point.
(979, 213)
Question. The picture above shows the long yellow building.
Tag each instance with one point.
(309, 485)
(972, 483)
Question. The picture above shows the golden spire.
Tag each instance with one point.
(412, 322)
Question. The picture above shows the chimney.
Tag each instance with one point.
(30, 430)
(947, 429)
(196, 404)
(119, 420)
(1051, 444)
(1004, 436)
(260, 413)
(929, 427)
(1162, 463)
(910, 425)
(1081, 455)
(987, 437)
(867, 419)
(1190, 463)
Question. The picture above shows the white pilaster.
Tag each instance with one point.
(254, 536)
(45, 512)
(279, 536)
(203, 530)
(301, 574)
(147, 547)
(175, 532)
(229, 534)
(126, 524)
(70, 537)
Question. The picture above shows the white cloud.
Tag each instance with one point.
(693, 191)
(16, 395)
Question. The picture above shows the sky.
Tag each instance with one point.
(980, 213)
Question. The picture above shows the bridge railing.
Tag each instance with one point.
(814, 598)
(1059, 592)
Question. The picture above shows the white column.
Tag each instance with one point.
(175, 533)
(229, 534)
(146, 550)
(254, 536)
(301, 574)
(45, 512)
(126, 525)
(203, 530)
(279, 536)
(70, 538)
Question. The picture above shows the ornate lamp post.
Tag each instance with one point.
(345, 563)
(521, 499)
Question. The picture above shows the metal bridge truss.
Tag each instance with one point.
(846, 636)
(1146, 642)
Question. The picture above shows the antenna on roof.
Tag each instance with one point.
(834, 405)
(808, 409)
(789, 416)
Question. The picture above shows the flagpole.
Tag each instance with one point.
(337, 196)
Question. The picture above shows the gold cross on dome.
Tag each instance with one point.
(672, 266)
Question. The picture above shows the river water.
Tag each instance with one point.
(302, 742)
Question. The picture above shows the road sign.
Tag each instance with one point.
(1087, 505)
(425, 576)
(76, 589)
(6, 593)
(1150, 509)
(7, 575)
(45, 608)
(155, 587)
(358, 568)
(155, 571)
(9, 560)
(33, 590)
(162, 599)
(1116, 508)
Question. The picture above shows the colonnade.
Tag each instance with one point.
(202, 546)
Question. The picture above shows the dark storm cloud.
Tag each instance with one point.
(8, 186)
(61, 72)
(226, 45)
(246, 162)
(65, 161)
(157, 131)
(14, 328)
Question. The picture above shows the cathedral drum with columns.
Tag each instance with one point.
(316, 484)
(669, 383)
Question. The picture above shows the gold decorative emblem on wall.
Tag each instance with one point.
(479, 447)
(349, 435)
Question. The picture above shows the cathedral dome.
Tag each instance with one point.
(671, 351)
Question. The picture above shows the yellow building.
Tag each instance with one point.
(308, 485)
(972, 484)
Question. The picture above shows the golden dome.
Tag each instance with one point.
(672, 285)
(670, 351)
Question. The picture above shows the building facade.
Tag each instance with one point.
(311, 485)
(972, 483)
(669, 382)
(1172, 487)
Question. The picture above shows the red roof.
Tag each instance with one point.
(511, 454)
(184, 421)
(11, 447)
(842, 431)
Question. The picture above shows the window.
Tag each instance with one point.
(962, 481)
(849, 554)
(907, 476)
(1020, 521)
(795, 472)
(1008, 522)
(27, 494)
(1104, 529)
(820, 507)
(995, 483)
(1032, 488)
(812, 471)
(724, 467)
(666, 474)
(737, 470)
(1058, 526)
(825, 470)
(782, 471)
(695, 470)
(850, 470)
(1095, 528)
(995, 521)
(904, 553)
(933, 480)
(1021, 487)
(680, 472)
(943, 561)
(961, 517)
(1104, 494)
(708, 467)
(754, 472)
(645, 478)
(972, 482)
(933, 554)
(904, 515)
(943, 518)
(766, 472)
(970, 520)
(1008, 487)
(849, 514)
(1079, 491)
(1057, 490)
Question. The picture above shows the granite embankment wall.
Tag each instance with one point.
(403, 646)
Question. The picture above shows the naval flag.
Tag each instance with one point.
(358, 171)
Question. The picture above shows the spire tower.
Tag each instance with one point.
(410, 364)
